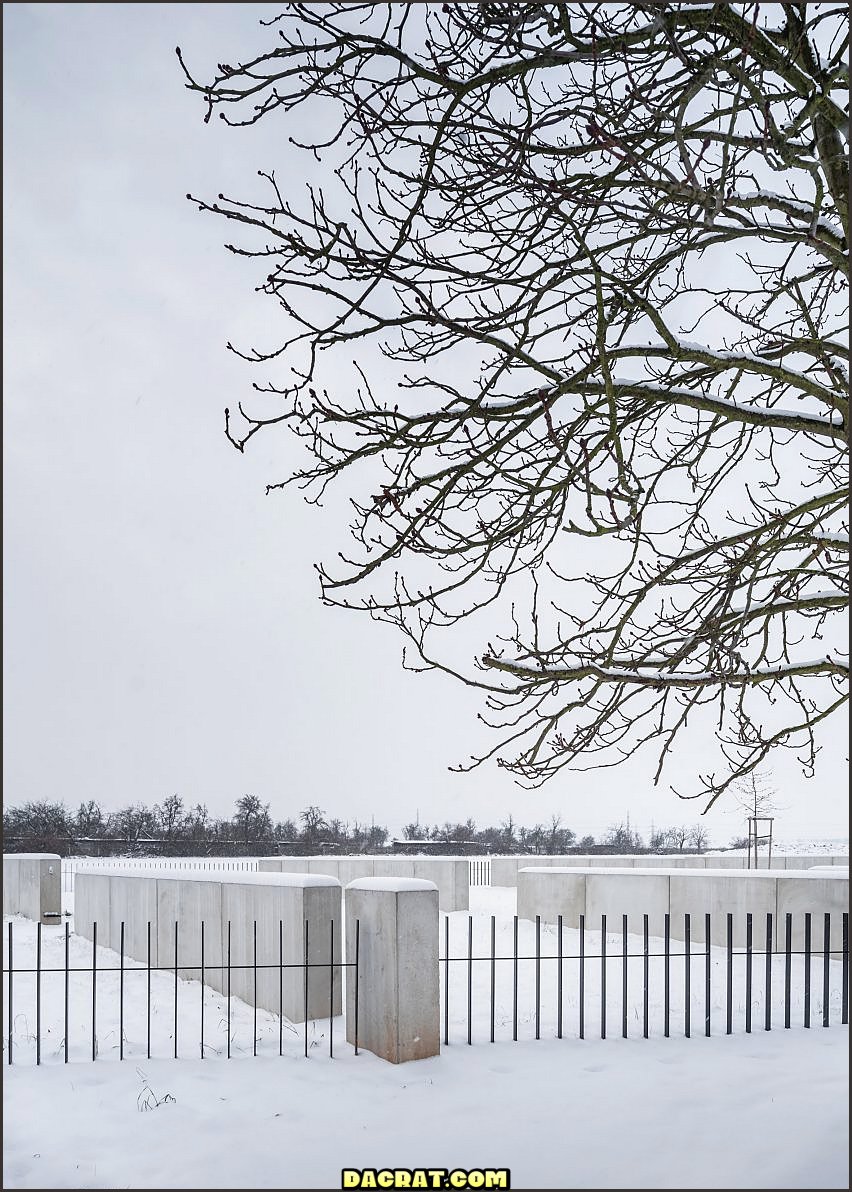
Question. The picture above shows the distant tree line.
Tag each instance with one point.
(172, 829)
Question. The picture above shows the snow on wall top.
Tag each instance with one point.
(392, 884)
(31, 857)
(228, 877)
(839, 871)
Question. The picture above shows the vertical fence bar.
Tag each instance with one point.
(121, 993)
(844, 978)
(807, 968)
(729, 995)
(11, 1008)
(493, 971)
(148, 1001)
(788, 966)
(306, 988)
(357, 974)
(202, 989)
(469, 979)
(538, 976)
(826, 960)
(748, 972)
(67, 990)
(176, 989)
(38, 993)
(94, 990)
(707, 972)
(447, 981)
(280, 986)
(515, 981)
(624, 976)
(687, 977)
(254, 970)
(229, 990)
(603, 976)
(667, 937)
(645, 976)
(331, 991)
(559, 977)
(767, 1017)
(582, 994)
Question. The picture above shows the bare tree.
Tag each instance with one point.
(755, 795)
(678, 836)
(602, 251)
(699, 837)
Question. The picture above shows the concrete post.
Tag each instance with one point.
(398, 984)
(32, 886)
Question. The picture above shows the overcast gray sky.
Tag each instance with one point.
(163, 631)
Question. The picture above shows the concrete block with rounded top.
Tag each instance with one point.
(817, 894)
(398, 985)
(285, 907)
(32, 886)
(550, 892)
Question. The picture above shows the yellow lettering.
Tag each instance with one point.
(351, 1177)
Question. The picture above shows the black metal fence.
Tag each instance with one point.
(560, 992)
(129, 969)
(620, 957)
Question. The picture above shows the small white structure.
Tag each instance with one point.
(398, 1011)
(32, 886)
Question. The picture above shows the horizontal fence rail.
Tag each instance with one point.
(625, 977)
(170, 998)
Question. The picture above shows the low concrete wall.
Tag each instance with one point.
(504, 870)
(398, 989)
(549, 892)
(280, 904)
(720, 892)
(451, 875)
(32, 886)
(815, 892)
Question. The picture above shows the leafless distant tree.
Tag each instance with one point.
(592, 261)
(699, 837)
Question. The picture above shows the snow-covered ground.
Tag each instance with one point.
(836, 846)
(764, 1110)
